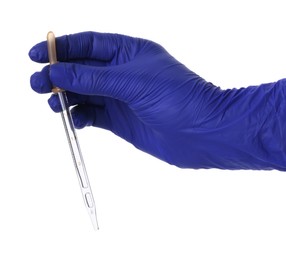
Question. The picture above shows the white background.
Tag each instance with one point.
(146, 208)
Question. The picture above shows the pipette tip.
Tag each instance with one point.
(94, 222)
(93, 218)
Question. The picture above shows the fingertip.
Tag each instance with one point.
(54, 103)
(40, 81)
(39, 53)
(33, 54)
(34, 82)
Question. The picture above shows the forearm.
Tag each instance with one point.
(238, 129)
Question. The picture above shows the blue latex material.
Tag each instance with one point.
(136, 89)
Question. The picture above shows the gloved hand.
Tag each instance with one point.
(136, 89)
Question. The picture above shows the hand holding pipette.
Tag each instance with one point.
(136, 89)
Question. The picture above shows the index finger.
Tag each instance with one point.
(85, 45)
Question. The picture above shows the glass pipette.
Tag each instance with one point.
(72, 138)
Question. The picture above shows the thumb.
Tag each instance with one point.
(88, 80)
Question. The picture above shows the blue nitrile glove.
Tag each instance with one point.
(137, 90)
